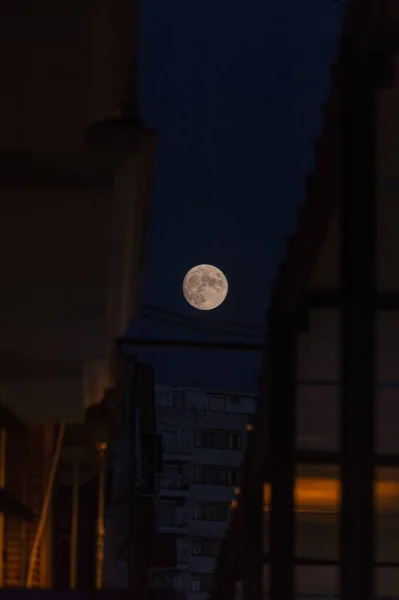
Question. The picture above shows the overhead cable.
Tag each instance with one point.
(191, 327)
(241, 325)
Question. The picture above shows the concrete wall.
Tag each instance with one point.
(198, 415)
(50, 97)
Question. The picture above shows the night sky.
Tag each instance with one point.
(234, 90)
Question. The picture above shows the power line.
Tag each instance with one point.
(190, 327)
(179, 343)
(170, 313)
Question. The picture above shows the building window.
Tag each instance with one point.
(317, 507)
(215, 475)
(162, 399)
(235, 441)
(217, 402)
(178, 399)
(211, 511)
(205, 546)
(219, 440)
(174, 501)
(201, 583)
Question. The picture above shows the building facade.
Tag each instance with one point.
(204, 433)
(318, 513)
(75, 177)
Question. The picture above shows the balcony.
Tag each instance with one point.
(173, 519)
(175, 486)
(166, 579)
(180, 451)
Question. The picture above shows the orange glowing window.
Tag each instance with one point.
(311, 494)
(318, 494)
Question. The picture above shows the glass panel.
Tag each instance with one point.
(386, 582)
(316, 581)
(318, 373)
(386, 488)
(386, 428)
(317, 503)
(217, 403)
(318, 414)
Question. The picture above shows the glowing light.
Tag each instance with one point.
(237, 491)
(249, 427)
(324, 495)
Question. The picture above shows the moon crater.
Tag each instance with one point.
(205, 287)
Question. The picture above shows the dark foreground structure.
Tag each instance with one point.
(75, 181)
(84, 595)
(318, 509)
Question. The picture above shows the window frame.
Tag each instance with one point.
(198, 580)
(230, 478)
(206, 439)
(202, 543)
(203, 511)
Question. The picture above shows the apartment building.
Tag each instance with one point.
(203, 436)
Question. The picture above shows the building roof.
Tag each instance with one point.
(366, 22)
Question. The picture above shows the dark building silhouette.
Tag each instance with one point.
(318, 511)
(75, 177)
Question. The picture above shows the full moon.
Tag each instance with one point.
(205, 287)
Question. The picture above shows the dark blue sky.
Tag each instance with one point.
(234, 90)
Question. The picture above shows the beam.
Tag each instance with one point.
(282, 435)
(325, 562)
(331, 458)
(357, 270)
(179, 343)
(67, 170)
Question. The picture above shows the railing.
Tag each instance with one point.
(182, 557)
(170, 516)
(172, 579)
(175, 482)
